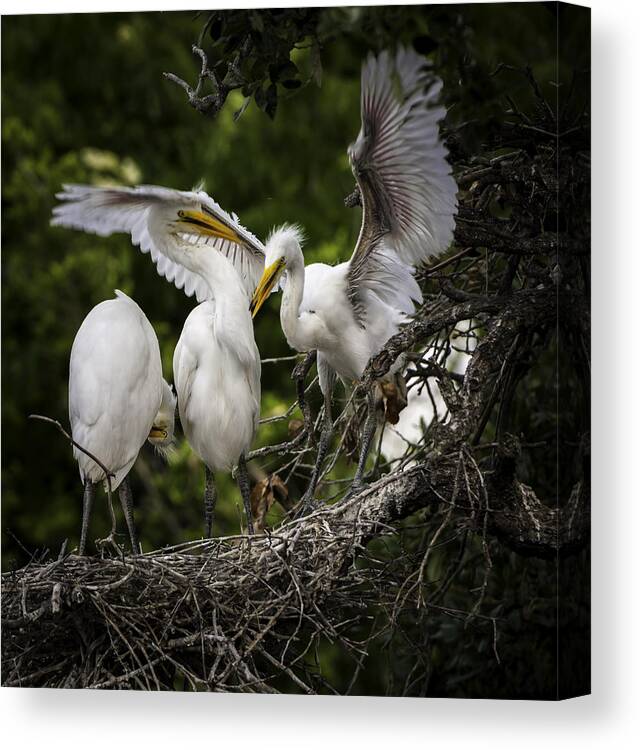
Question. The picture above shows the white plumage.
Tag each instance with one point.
(324, 319)
(216, 370)
(116, 392)
(346, 312)
(218, 391)
(165, 223)
(399, 148)
(203, 249)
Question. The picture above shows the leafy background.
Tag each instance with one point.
(84, 100)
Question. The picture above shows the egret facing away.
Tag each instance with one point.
(204, 250)
(117, 399)
(348, 311)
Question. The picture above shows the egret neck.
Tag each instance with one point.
(298, 327)
(216, 269)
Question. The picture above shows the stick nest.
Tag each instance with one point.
(228, 614)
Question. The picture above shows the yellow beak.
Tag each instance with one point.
(267, 282)
(204, 223)
(158, 434)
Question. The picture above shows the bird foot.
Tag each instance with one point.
(357, 486)
(306, 506)
(102, 544)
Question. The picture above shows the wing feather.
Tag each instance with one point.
(150, 214)
(408, 192)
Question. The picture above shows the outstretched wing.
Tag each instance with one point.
(160, 218)
(407, 190)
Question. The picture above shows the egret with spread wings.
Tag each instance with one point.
(347, 312)
(202, 249)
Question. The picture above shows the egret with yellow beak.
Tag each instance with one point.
(346, 312)
(216, 365)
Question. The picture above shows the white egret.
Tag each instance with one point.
(216, 369)
(117, 399)
(348, 311)
(204, 250)
(345, 312)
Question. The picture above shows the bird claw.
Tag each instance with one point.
(306, 506)
(102, 544)
(353, 199)
(357, 486)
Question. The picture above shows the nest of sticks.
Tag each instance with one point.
(227, 614)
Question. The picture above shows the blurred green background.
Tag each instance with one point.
(84, 100)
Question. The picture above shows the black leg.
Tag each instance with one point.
(245, 491)
(299, 374)
(210, 497)
(126, 501)
(367, 438)
(378, 450)
(87, 503)
(323, 446)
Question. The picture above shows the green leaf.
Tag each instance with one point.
(271, 101)
(283, 71)
(261, 98)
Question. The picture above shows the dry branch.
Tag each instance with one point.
(225, 615)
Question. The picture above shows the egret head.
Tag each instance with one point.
(197, 230)
(283, 250)
(161, 434)
(203, 223)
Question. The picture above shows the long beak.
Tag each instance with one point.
(204, 223)
(266, 284)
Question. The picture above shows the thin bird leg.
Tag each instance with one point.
(111, 539)
(87, 503)
(307, 501)
(299, 374)
(126, 501)
(378, 450)
(367, 438)
(245, 491)
(210, 498)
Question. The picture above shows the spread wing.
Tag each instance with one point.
(160, 219)
(407, 190)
